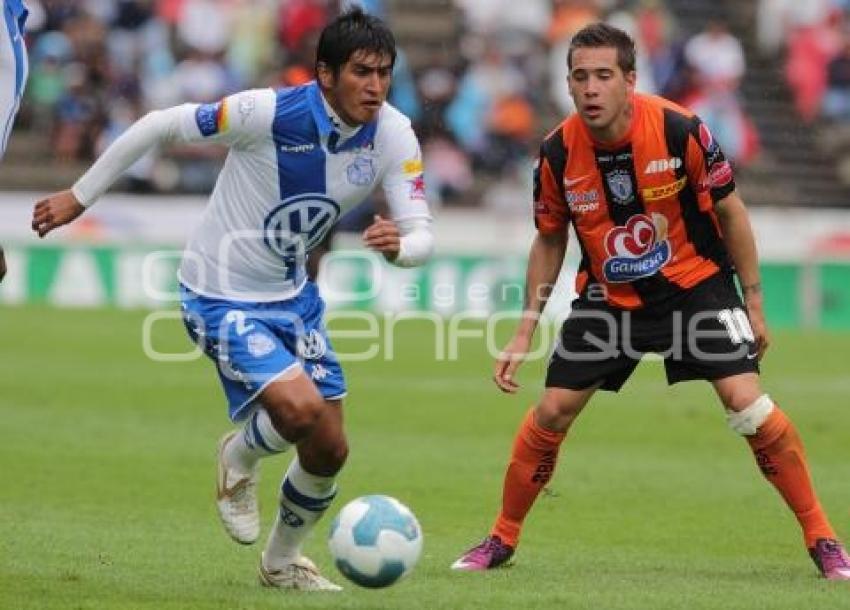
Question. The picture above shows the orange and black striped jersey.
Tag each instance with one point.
(643, 208)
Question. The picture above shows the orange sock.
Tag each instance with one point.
(780, 456)
(532, 463)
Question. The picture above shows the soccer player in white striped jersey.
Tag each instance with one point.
(299, 158)
(13, 76)
(13, 66)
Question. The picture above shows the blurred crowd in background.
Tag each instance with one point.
(814, 38)
(98, 65)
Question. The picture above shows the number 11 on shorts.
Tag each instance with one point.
(737, 325)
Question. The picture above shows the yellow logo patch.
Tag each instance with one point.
(412, 166)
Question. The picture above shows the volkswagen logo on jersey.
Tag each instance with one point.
(636, 250)
(620, 183)
(298, 224)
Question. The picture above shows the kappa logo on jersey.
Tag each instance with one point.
(311, 346)
(212, 118)
(636, 250)
(656, 166)
(319, 372)
(620, 183)
(298, 148)
(298, 224)
(361, 171)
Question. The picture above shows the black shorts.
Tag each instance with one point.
(702, 334)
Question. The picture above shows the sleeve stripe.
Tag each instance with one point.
(221, 116)
(556, 155)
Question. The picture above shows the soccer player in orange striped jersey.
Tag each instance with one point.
(662, 233)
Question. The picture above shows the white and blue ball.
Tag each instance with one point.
(375, 540)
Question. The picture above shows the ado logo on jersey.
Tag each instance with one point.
(638, 249)
(298, 224)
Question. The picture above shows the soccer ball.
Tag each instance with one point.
(375, 540)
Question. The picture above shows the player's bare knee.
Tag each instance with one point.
(554, 413)
(326, 459)
(748, 420)
(739, 398)
(302, 414)
(739, 392)
(294, 417)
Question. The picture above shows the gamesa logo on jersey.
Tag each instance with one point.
(299, 224)
(656, 166)
(636, 250)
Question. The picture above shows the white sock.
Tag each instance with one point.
(258, 439)
(303, 500)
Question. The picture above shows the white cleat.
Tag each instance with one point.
(300, 575)
(236, 499)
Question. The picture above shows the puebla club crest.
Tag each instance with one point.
(361, 171)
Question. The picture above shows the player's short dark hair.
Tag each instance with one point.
(354, 30)
(599, 35)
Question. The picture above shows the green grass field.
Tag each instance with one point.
(107, 464)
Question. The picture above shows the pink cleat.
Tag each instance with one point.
(831, 559)
(491, 553)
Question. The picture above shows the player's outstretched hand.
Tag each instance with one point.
(509, 362)
(56, 210)
(383, 236)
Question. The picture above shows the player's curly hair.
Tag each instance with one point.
(597, 35)
(354, 30)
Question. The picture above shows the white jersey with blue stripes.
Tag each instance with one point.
(286, 181)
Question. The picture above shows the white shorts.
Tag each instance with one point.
(13, 62)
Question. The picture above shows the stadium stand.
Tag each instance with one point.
(483, 80)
